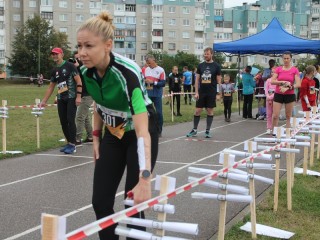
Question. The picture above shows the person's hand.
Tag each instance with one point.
(309, 106)
(142, 191)
(218, 97)
(148, 80)
(96, 145)
(78, 100)
(196, 96)
(42, 104)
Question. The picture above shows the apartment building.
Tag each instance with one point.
(141, 25)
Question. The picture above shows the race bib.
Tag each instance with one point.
(271, 91)
(227, 93)
(149, 86)
(62, 87)
(114, 120)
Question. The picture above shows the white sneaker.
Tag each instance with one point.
(268, 131)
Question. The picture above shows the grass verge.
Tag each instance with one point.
(303, 220)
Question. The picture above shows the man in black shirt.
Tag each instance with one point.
(175, 87)
(206, 91)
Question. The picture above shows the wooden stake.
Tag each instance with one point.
(293, 155)
(289, 175)
(164, 187)
(52, 227)
(318, 147)
(4, 130)
(38, 125)
(313, 137)
(305, 152)
(223, 204)
(253, 194)
(276, 177)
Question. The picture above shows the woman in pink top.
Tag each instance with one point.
(286, 78)
(269, 92)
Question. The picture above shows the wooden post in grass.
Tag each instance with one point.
(38, 124)
(4, 129)
(293, 155)
(253, 194)
(305, 151)
(277, 175)
(289, 174)
(164, 186)
(313, 137)
(223, 204)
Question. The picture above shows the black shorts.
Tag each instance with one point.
(206, 100)
(284, 98)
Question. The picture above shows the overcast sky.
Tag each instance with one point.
(233, 3)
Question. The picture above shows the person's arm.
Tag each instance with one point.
(142, 191)
(96, 133)
(297, 81)
(48, 94)
(79, 89)
(196, 86)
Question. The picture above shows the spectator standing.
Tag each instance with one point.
(307, 90)
(249, 84)
(206, 90)
(187, 81)
(269, 92)
(286, 78)
(155, 79)
(40, 80)
(31, 80)
(123, 109)
(227, 90)
(175, 80)
(317, 80)
(260, 84)
(83, 116)
(66, 77)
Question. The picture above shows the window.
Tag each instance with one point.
(63, 4)
(16, 4)
(31, 15)
(1, 25)
(79, 5)
(119, 32)
(218, 12)
(46, 2)
(131, 33)
(143, 21)
(172, 46)
(157, 20)
(252, 24)
(200, 10)
(218, 1)
(47, 15)
(79, 18)
(32, 4)
(63, 17)
(63, 30)
(172, 34)
(95, 5)
(251, 59)
(157, 45)
(131, 56)
(239, 26)
(130, 45)
(144, 9)
(130, 8)
(199, 46)
(119, 44)
(119, 20)
(157, 33)
(119, 7)
(157, 8)
(2, 54)
(1, 39)
(186, 10)
(144, 46)
(185, 35)
(186, 22)
(144, 34)
(16, 17)
(172, 9)
(1, 11)
(172, 22)
(185, 47)
(131, 20)
(218, 24)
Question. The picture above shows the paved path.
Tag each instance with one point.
(59, 184)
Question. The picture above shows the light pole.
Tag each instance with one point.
(39, 53)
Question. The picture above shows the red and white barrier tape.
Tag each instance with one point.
(117, 217)
(177, 93)
(31, 106)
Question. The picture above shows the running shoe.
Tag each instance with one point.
(64, 147)
(70, 149)
(192, 133)
(207, 134)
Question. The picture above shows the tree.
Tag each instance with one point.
(31, 47)
(304, 62)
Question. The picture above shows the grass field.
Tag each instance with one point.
(21, 124)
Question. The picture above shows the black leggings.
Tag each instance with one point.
(187, 89)
(177, 96)
(227, 102)
(247, 106)
(115, 156)
(67, 110)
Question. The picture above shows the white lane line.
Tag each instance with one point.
(43, 174)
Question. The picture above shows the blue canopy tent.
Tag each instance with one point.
(272, 40)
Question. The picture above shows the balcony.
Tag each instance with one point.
(199, 40)
(157, 26)
(44, 8)
(120, 51)
(199, 28)
(95, 11)
(118, 13)
(200, 16)
(119, 38)
(157, 38)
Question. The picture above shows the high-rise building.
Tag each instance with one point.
(141, 25)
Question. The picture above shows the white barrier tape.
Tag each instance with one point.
(179, 227)
(228, 187)
(220, 197)
(31, 106)
(37, 113)
(163, 208)
(105, 222)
